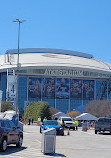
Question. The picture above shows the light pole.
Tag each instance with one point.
(19, 22)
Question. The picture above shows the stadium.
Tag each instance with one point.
(67, 80)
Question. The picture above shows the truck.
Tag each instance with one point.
(103, 124)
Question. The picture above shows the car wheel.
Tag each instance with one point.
(3, 146)
(19, 144)
(96, 131)
(62, 134)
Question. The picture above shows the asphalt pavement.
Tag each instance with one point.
(78, 144)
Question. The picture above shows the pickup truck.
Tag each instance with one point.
(103, 124)
(68, 122)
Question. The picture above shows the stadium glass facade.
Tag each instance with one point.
(65, 94)
(67, 80)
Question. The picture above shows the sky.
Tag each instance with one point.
(78, 25)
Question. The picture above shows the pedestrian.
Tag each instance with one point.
(39, 119)
(76, 124)
(63, 124)
(44, 119)
(32, 121)
(29, 121)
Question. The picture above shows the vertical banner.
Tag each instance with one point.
(75, 89)
(0, 99)
(48, 90)
(88, 89)
(11, 87)
(34, 88)
(62, 88)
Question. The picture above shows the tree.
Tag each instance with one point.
(44, 110)
(73, 114)
(99, 108)
(53, 111)
(38, 109)
(5, 106)
(31, 112)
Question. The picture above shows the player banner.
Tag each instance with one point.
(48, 90)
(34, 89)
(62, 88)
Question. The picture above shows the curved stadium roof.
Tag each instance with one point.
(48, 50)
(45, 57)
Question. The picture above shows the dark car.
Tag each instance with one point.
(9, 134)
(52, 124)
(103, 124)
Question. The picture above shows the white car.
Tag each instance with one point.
(68, 122)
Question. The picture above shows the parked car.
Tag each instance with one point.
(52, 124)
(68, 122)
(103, 124)
(9, 134)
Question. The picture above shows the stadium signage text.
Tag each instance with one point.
(63, 72)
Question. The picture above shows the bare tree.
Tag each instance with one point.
(99, 108)
(53, 111)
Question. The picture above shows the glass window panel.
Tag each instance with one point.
(101, 90)
(109, 89)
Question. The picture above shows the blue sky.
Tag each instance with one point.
(79, 25)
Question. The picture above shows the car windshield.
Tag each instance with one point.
(67, 119)
(104, 120)
(8, 116)
(50, 123)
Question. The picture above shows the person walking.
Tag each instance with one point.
(32, 121)
(29, 121)
(63, 124)
(76, 124)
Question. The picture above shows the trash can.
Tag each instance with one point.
(84, 127)
(48, 141)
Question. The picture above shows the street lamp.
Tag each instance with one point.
(19, 22)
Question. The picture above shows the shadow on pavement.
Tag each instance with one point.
(57, 155)
(12, 149)
(102, 133)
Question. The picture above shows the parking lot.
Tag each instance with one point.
(78, 144)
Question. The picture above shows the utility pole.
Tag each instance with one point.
(18, 64)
